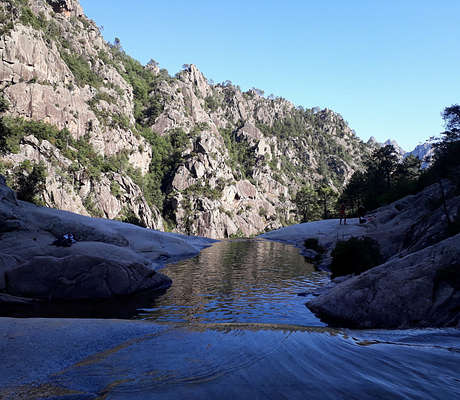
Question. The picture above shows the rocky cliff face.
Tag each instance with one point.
(133, 143)
(423, 152)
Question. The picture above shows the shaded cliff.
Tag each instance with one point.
(126, 141)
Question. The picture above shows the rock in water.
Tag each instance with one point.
(421, 289)
(108, 260)
(81, 277)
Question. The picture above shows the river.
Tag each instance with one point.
(242, 331)
(233, 326)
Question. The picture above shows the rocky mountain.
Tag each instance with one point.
(372, 142)
(395, 144)
(423, 152)
(120, 140)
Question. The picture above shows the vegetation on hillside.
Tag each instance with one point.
(316, 203)
(385, 180)
(320, 137)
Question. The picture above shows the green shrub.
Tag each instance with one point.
(148, 105)
(203, 191)
(262, 212)
(4, 105)
(131, 218)
(30, 184)
(101, 96)
(242, 157)
(354, 256)
(211, 103)
(29, 18)
(115, 189)
(81, 70)
(91, 207)
(313, 244)
(13, 129)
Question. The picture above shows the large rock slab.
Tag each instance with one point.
(418, 290)
(110, 259)
(81, 277)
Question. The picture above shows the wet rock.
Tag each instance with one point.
(109, 259)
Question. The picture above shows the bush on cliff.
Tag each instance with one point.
(30, 183)
(4, 105)
(354, 256)
(313, 244)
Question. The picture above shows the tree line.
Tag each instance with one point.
(385, 178)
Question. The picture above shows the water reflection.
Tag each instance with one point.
(239, 281)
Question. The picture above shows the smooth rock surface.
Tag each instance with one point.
(81, 277)
(109, 259)
(409, 289)
(414, 291)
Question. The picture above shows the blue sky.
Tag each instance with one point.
(389, 68)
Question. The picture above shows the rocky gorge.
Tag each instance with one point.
(125, 141)
(87, 129)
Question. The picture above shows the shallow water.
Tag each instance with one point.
(211, 362)
(254, 281)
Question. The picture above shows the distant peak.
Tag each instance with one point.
(372, 140)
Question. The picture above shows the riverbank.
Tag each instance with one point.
(417, 285)
(327, 232)
(109, 259)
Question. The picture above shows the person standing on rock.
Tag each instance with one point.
(342, 214)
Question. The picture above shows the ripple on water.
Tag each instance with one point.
(238, 361)
(234, 328)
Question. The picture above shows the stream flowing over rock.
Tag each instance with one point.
(236, 159)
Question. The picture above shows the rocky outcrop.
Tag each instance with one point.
(419, 290)
(66, 7)
(81, 277)
(418, 284)
(413, 222)
(109, 259)
(246, 161)
(424, 152)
